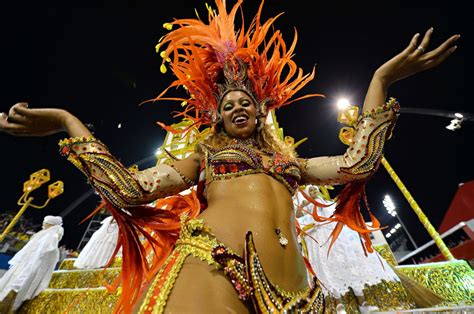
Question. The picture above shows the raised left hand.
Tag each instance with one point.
(415, 58)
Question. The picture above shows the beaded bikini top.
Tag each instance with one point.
(240, 159)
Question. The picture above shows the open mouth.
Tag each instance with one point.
(240, 119)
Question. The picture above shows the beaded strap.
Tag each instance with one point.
(269, 298)
(391, 104)
(66, 144)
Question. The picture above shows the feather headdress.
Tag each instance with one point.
(211, 59)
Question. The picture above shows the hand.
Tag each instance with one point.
(23, 121)
(415, 58)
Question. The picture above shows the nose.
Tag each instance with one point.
(238, 107)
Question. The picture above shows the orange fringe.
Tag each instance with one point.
(145, 230)
(196, 53)
(348, 214)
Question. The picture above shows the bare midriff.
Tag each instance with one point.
(256, 203)
(260, 204)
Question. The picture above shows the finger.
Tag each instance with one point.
(442, 48)
(3, 120)
(17, 119)
(14, 116)
(11, 127)
(10, 121)
(412, 45)
(440, 58)
(19, 113)
(21, 104)
(21, 108)
(14, 128)
(421, 49)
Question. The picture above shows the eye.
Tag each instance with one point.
(227, 107)
(245, 103)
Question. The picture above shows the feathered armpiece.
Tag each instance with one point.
(120, 186)
(354, 169)
(147, 233)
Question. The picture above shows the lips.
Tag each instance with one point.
(240, 119)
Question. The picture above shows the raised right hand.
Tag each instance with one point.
(415, 58)
(23, 121)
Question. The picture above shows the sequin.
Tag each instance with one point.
(239, 159)
(121, 186)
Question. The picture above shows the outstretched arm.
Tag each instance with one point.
(116, 183)
(363, 155)
(24, 121)
(374, 126)
(121, 186)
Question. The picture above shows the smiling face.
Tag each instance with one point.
(239, 114)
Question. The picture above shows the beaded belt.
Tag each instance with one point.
(246, 274)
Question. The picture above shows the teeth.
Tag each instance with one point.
(240, 119)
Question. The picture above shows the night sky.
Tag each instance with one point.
(100, 63)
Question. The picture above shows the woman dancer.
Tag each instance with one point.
(245, 175)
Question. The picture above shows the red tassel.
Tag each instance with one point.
(348, 213)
